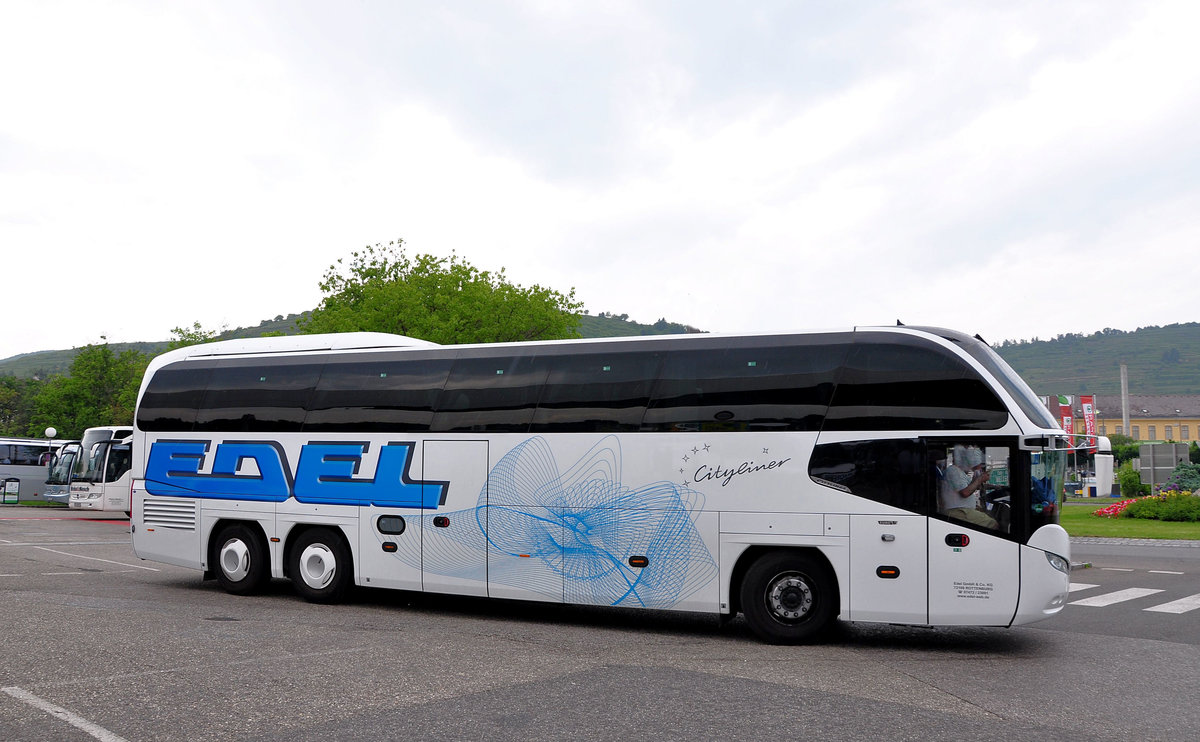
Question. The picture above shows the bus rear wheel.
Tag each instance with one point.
(320, 566)
(788, 598)
(240, 558)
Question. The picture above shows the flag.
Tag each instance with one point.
(1068, 418)
(1088, 402)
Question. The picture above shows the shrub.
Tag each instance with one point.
(1185, 478)
(1175, 506)
(1131, 481)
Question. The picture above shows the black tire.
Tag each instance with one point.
(789, 598)
(239, 559)
(320, 566)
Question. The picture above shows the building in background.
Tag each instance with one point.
(1152, 417)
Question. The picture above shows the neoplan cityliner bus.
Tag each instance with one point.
(897, 474)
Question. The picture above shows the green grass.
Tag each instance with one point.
(1079, 521)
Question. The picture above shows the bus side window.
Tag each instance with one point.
(891, 472)
(245, 396)
(906, 387)
(751, 387)
(392, 394)
(596, 392)
(174, 395)
(490, 394)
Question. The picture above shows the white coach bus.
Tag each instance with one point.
(105, 484)
(896, 474)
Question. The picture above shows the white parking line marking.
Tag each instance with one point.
(1183, 605)
(1115, 569)
(1120, 596)
(59, 712)
(60, 574)
(97, 559)
(1164, 572)
(1081, 586)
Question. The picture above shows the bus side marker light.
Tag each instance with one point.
(639, 561)
(957, 540)
(389, 546)
(441, 521)
(888, 572)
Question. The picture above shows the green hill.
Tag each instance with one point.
(1161, 360)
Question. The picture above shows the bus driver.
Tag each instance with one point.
(963, 479)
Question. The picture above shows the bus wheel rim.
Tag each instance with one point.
(235, 559)
(790, 598)
(317, 566)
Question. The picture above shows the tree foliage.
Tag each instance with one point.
(16, 401)
(181, 337)
(100, 389)
(443, 300)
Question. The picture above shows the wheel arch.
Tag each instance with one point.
(753, 553)
(299, 529)
(214, 534)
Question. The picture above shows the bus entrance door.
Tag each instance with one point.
(888, 571)
(974, 576)
(453, 537)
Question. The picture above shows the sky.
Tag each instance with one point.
(1018, 169)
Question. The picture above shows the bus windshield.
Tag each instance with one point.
(109, 460)
(1048, 470)
(60, 469)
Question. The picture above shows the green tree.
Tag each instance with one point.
(1131, 481)
(16, 402)
(443, 300)
(100, 389)
(182, 337)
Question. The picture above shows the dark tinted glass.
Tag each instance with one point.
(494, 395)
(244, 396)
(174, 395)
(596, 392)
(779, 387)
(908, 387)
(377, 395)
(892, 472)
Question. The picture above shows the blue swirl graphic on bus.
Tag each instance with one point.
(583, 526)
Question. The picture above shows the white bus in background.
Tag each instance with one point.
(25, 460)
(793, 478)
(104, 482)
(71, 459)
(62, 471)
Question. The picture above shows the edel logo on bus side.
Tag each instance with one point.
(324, 475)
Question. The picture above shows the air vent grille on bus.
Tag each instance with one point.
(169, 513)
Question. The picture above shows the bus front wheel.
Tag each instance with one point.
(789, 598)
(240, 557)
(320, 566)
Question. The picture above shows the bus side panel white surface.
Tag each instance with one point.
(888, 568)
(400, 569)
(453, 540)
(974, 585)
(167, 529)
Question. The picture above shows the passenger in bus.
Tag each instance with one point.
(963, 478)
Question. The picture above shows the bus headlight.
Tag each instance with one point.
(1062, 565)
